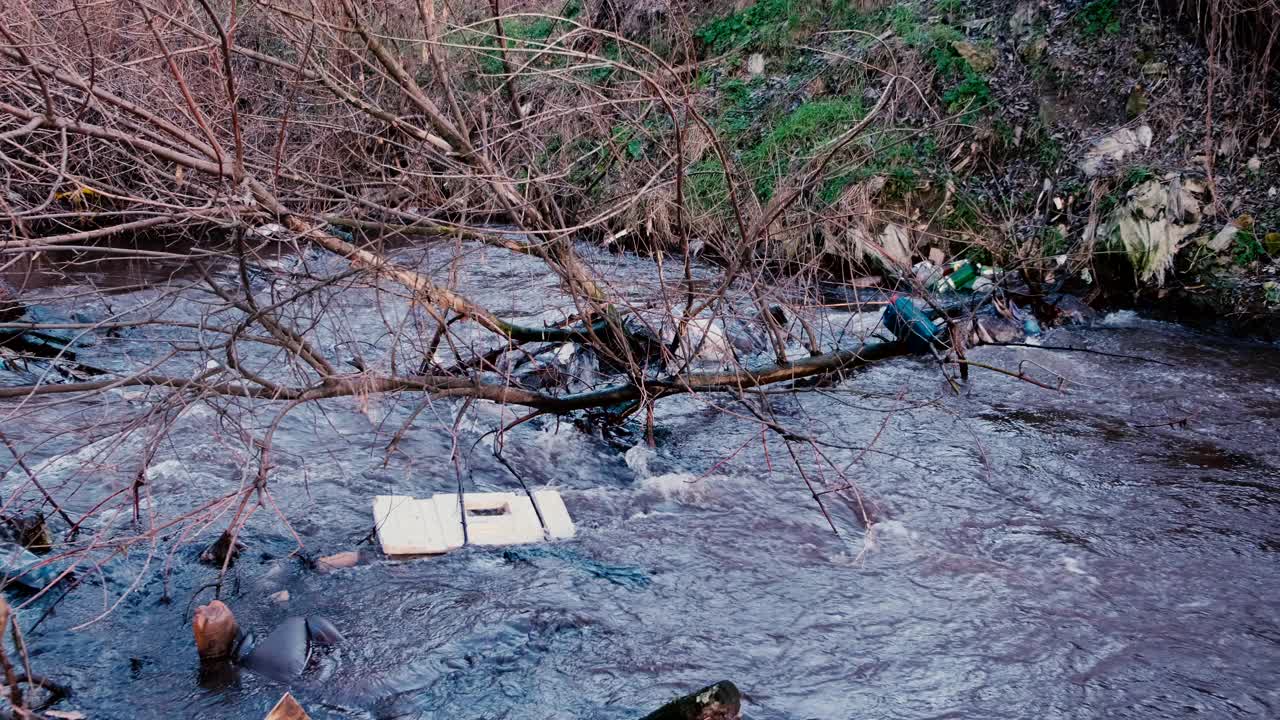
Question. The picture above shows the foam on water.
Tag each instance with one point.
(637, 458)
(1120, 318)
(680, 487)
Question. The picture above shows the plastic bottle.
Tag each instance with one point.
(910, 325)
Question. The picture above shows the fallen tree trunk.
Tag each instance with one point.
(455, 386)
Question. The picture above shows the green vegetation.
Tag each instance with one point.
(902, 163)
(1053, 241)
(768, 24)
(809, 125)
(796, 137)
(602, 75)
(765, 24)
(970, 93)
(902, 159)
(707, 188)
(963, 214)
(952, 8)
(1247, 248)
(519, 32)
(1049, 152)
(742, 106)
(1100, 17)
(966, 88)
(907, 23)
(766, 153)
(979, 254)
(1133, 177)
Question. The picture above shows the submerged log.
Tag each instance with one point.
(721, 701)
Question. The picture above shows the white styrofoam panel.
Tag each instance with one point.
(554, 514)
(500, 519)
(448, 510)
(407, 526)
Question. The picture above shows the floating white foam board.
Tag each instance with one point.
(432, 526)
(554, 514)
(492, 518)
(408, 526)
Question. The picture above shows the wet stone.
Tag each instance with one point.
(281, 655)
(223, 552)
(338, 561)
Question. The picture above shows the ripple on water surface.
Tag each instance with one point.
(1030, 555)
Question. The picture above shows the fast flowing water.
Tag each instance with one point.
(1108, 552)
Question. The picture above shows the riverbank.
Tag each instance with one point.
(1084, 146)
(1091, 146)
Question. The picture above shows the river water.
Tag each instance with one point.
(1107, 552)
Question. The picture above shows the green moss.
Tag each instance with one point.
(971, 93)
(814, 122)
(768, 25)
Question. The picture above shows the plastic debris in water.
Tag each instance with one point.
(910, 325)
(24, 568)
(436, 525)
(961, 277)
(965, 275)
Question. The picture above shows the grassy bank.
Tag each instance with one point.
(1000, 144)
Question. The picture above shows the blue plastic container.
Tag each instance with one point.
(910, 325)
